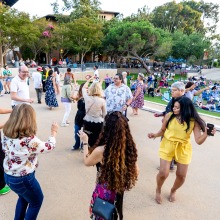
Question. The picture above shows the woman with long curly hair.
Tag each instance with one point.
(115, 155)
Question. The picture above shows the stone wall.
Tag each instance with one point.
(79, 75)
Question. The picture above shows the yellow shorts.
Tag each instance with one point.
(182, 153)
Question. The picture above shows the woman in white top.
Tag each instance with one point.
(95, 110)
(57, 79)
(190, 91)
(21, 148)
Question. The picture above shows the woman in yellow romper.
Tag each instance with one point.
(176, 130)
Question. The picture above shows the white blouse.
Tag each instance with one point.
(95, 107)
(21, 154)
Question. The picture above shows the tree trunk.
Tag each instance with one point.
(82, 56)
(141, 61)
(1, 57)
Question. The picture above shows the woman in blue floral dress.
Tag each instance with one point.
(138, 96)
(50, 96)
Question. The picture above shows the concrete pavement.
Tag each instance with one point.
(67, 184)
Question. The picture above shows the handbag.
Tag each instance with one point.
(103, 209)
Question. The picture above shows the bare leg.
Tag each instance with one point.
(180, 179)
(5, 86)
(8, 85)
(161, 177)
(58, 88)
(136, 111)
(133, 111)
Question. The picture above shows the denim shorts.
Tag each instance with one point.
(8, 79)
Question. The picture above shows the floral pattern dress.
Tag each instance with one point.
(139, 101)
(102, 192)
(50, 96)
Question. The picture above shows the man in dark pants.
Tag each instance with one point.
(4, 189)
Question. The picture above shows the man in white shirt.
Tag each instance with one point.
(118, 95)
(37, 77)
(19, 87)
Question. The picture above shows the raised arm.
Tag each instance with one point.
(96, 155)
(38, 146)
(201, 90)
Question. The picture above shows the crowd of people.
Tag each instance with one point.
(101, 131)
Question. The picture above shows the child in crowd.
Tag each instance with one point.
(21, 147)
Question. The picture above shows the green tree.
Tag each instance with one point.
(138, 39)
(185, 46)
(174, 16)
(78, 8)
(16, 30)
(39, 43)
(82, 35)
(210, 12)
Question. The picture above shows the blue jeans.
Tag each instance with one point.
(77, 138)
(30, 196)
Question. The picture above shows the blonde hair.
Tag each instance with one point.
(21, 123)
(95, 89)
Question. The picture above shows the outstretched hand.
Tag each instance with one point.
(151, 135)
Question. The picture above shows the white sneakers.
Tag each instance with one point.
(64, 125)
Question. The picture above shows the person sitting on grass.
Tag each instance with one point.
(191, 92)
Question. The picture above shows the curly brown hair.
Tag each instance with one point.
(118, 168)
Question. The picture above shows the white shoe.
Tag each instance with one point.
(64, 125)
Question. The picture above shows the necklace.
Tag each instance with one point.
(178, 116)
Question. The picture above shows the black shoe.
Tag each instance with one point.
(6, 92)
(74, 149)
(39, 102)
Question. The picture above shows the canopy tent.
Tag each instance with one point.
(173, 60)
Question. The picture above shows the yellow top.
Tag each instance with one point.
(177, 132)
(176, 141)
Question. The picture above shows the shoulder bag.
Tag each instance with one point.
(104, 209)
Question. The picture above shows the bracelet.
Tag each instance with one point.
(85, 144)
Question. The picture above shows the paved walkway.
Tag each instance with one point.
(67, 184)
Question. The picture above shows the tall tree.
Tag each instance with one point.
(174, 16)
(78, 9)
(185, 46)
(138, 39)
(16, 30)
(39, 43)
(82, 35)
(210, 12)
